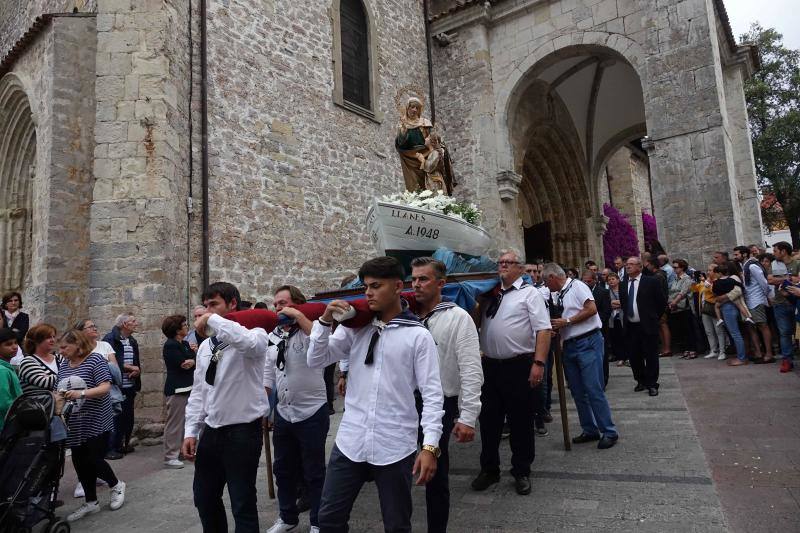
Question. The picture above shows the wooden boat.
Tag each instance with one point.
(407, 232)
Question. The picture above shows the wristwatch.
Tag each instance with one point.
(538, 363)
(83, 393)
(433, 449)
(568, 320)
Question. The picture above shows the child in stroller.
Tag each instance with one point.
(31, 465)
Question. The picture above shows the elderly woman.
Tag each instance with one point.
(179, 360)
(38, 370)
(680, 315)
(90, 421)
(615, 332)
(13, 316)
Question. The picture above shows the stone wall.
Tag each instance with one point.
(292, 174)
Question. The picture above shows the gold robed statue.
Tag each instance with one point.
(423, 155)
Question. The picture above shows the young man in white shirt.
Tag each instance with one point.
(580, 328)
(377, 439)
(225, 411)
(460, 371)
(301, 414)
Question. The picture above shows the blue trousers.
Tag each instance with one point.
(228, 455)
(300, 446)
(784, 319)
(343, 482)
(583, 367)
(730, 314)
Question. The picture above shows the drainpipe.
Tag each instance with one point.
(425, 12)
(190, 195)
(204, 136)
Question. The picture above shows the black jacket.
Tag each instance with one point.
(114, 338)
(20, 325)
(175, 353)
(602, 299)
(650, 299)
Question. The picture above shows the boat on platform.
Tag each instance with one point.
(406, 232)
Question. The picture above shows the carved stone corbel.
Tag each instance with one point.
(508, 184)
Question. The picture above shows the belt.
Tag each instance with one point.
(515, 359)
(583, 335)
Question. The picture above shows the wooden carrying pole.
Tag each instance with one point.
(268, 457)
(562, 394)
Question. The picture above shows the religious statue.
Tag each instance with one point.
(423, 155)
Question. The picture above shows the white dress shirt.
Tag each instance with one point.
(380, 421)
(573, 295)
(635, 318)
(237, 396)
(459, 357)
(512, 331)
(301, 390)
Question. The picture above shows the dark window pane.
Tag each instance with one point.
(355, 53)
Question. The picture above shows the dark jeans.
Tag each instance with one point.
(90, 464)
(606, 355)
(643, 355)
(300, 453)
(343, 481)
(548, 375)
(123, 422)
(228, 455)
(506, 394)
(437, 491)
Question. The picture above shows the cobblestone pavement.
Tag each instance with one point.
(656, 479)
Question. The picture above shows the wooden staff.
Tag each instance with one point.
(268, 456)
(562, 394)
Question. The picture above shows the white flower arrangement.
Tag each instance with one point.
(438, 202)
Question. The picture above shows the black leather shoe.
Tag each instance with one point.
(583, 437)
(522, 484)
(638, 388)
(652, 391)
(484, 481)
(607, 442)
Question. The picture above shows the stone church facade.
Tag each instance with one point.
(149, 145)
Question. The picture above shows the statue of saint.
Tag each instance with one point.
(423, 156)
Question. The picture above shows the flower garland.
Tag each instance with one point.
(438, 202)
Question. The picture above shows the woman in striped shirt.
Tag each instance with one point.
(90, 421)
(39, 368)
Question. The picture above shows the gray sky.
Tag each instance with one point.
(783, 15)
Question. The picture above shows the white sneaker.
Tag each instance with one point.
(719, 322)
(314, 529)
(711, 355)
(173, 463)
(280, 526)
(721, 356)
(85, 509)
(117, 495)
(79, 493)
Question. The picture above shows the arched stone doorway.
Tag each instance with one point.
(566, 117)
(17, 171)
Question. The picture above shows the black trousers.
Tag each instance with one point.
(228, 455)
(506, 395)
(123, 422)
(330, 370)
(619, 344)
(680, 326)
(90, 464)
(437, 491)
(643, 354)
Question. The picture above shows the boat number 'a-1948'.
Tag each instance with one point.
(422, 231)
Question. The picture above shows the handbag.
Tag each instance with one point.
(709, 309)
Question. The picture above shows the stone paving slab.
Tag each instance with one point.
(748, 423)
(656, 479)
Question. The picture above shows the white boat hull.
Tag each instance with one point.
(399, 228)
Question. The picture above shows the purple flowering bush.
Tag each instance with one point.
(620, 237)
(650, 229)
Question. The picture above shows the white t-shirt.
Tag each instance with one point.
(103, 348)
(17, 359)
(573, 295)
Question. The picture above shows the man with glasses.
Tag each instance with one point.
(515, 339)
(225, 412)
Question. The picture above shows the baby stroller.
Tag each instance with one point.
(30, 466)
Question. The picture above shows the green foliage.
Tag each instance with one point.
(468, 212)
(773, 106)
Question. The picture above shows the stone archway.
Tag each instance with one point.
(17, 171)
(568, 114)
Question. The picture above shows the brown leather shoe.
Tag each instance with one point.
(737, 362)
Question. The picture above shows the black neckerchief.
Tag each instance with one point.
(494, 305)
(563, 292)
(284, 336)
(441, 306)
(217, 347)
(405, 318)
